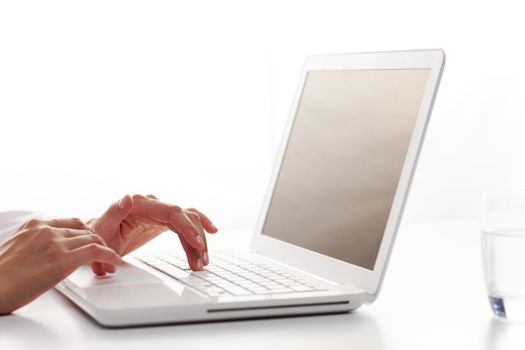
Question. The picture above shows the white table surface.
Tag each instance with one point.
(433, 298)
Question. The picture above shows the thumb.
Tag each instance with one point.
(111, 219)
(108, 225)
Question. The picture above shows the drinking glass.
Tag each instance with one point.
(503, 252)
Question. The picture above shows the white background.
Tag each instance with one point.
(188, 99)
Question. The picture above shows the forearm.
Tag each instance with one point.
(5, 297)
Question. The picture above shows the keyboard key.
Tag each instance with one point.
(173, 271)
(238, 291)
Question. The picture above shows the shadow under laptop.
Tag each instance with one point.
(358, 330)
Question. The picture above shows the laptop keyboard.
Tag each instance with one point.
(231, 275)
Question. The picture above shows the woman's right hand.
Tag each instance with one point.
(44, 252)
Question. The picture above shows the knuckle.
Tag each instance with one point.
(45, 232)
(96, 238)
(77, 221)
(32, 222)
(138, 196)
(93, 248)
(175, 209)
(192, 216)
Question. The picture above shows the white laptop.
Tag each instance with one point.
(329, 219)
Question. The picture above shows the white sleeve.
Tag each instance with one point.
(10, 221)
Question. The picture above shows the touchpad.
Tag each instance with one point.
(126, 274)
(129, 287)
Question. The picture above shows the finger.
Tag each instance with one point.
(101, 269)
(192, 255)
(151, 196)
(118, 211)
(196, 221)
(82, 240)
(66, 223)
(97, 269)
(206, 222)
(93, 253)
(104, 268)
(78, 238)
(185, 226)
(71, 233)
(109, 268)
(173, 215)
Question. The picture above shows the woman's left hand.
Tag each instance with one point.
(133, 221)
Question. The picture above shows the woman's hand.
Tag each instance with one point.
(133, 221)
(41, 254)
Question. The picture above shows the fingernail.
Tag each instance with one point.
(121, 202)
(205, 257)
(199, 264)
(200, 241)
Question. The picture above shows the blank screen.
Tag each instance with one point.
(343, 161)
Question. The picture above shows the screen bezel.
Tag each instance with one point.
(330, 268)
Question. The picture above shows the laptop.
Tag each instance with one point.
(328, 222)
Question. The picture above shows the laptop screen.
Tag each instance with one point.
(343, 161)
